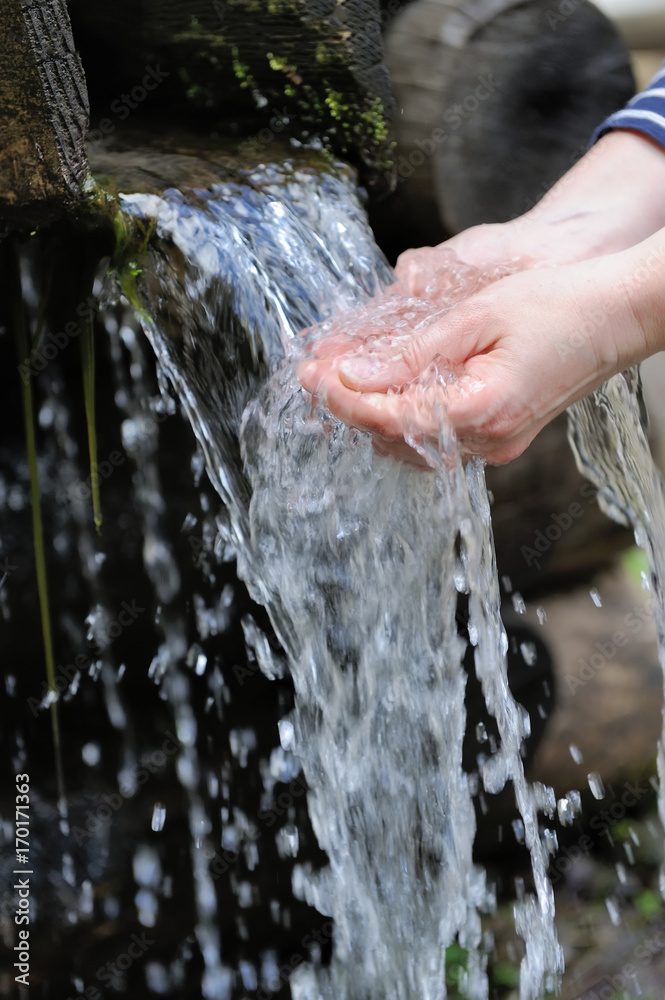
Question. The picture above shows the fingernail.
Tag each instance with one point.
(358, 370)
(306, 373)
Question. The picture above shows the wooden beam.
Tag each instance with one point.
(43, 115)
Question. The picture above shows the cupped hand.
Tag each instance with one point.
(502, 362)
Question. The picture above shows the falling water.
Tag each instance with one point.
(608, 435)
(359, 560)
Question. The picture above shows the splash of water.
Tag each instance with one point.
(358, 560)
(608, 435)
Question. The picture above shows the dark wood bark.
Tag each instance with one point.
(43, 115)
(496, 99)
(548, 529)
(317, 65)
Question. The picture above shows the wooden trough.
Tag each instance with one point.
(529, 96)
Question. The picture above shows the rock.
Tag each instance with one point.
(609, 682)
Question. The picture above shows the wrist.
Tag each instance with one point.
(611, 199)
(642, 288)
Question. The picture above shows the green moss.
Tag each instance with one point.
(649, 904)
(456, 963)
(375, 118)
(241, 70)
(635, 562)
(505, 974)
(275, 63)
(335, 102)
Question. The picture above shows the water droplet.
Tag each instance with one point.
(529, 654)
(91, 754)
(596, 785)
(286, 734)
(542, 614)
(287, 841)
(518, 603)
(157, 978)
(190, 522)
(613, 910)
(242, 742)
(158, 817)
(595, 597)
(68, 872)
(565, 812)
(575, 753)
(518, 830)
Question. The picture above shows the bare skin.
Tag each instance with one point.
(531, 343)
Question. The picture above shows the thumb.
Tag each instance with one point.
(378, 371)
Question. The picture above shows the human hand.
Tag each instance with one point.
(519, 351)
(609, 201)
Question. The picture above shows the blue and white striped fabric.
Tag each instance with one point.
(645, 112)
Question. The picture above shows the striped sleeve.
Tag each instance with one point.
(645, 112)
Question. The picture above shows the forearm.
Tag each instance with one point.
(611, 199)
(643, 289)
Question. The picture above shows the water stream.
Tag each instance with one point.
(608, 435)
(359, 560)
(362, 563)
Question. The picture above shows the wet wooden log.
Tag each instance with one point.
(549, 531)
(496, 99)
(300, 67)
(43, 115)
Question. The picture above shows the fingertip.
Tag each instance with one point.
(309, 375)
(354, 374)
(364, 374)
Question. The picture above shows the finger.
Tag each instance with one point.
(399, 450)
(378, 370)
(373, 412)
(415, 268)
(311, 375)
(334, 344)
